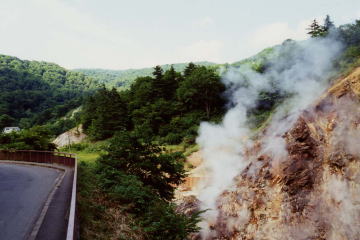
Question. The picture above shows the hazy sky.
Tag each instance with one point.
(120, 34)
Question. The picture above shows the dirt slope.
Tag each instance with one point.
(314, 192)
(72, 136)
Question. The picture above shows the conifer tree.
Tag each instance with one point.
(315, 30)
(328, 24)
(170, 81)
(158, 83)
(189, 69)
(158, 72)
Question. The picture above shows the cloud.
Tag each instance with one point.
(276, 33)
(53, 30)
(205, 21)
(209, 50)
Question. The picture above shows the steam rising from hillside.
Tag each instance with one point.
(299, 71)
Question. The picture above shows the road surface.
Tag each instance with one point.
(23, 192)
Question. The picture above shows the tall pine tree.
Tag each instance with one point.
(315, 30)
(328, 24)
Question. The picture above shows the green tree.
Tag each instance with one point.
(170, 83)
(189, 69)
(328, 24)
(142, 176)
(36, 93)
(350, 33)
(315, 30)
(201, 90)
(161, 221)
(6, 121)
(165, 84)
(156, 169)
(157, 81)
(104, 113)
(36, 138)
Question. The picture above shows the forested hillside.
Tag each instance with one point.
(124, 78)
(33, 93)
(166, 107)
(130, 129)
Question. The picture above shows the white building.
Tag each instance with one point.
(11, 129)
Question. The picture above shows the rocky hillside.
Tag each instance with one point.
(313, 192)
(72, 136)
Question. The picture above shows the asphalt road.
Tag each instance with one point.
(23, 192)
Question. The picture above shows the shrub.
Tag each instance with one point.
(36, 138)
(161, 171)
(144, 177)
(160, 222)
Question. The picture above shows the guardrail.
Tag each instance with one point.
(61, 158)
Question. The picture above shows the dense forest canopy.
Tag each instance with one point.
(32, 93)
(167, 107)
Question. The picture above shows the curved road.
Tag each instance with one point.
(23, 192)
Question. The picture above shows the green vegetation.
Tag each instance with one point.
(130, 187)
(100, 217)
(35, 93)
(104, 113)
(317, 30)
(348, 34)
(124, 78)
(131, 162)
(36, 138)
(167, 107)
(142, 176)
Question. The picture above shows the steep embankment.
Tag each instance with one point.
(75, 135)
(313, 192)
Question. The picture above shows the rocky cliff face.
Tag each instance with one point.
(75, 135)
(312, 192)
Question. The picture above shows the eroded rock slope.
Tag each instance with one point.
(311, 193)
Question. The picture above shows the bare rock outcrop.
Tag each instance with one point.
(72, 136)
(314, 193)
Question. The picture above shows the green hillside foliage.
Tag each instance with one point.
(124, 78)
(105, 113)
(166, 107)
(141, 176)
(257, 61)
(347, 34)
(36, 138)
(34, 93)
(350, 36)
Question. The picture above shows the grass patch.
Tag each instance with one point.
(186, 149)
(87, 157)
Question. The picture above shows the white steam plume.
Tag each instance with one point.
(298, 70)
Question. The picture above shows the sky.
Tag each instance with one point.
(122, 34)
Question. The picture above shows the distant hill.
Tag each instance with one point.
(33, 92)
(124, 78)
